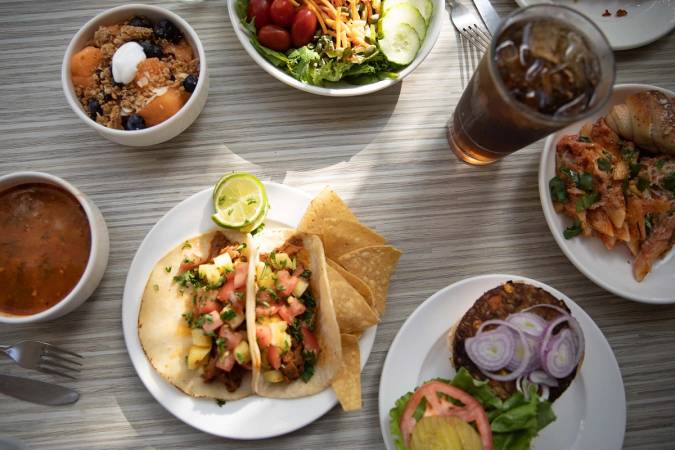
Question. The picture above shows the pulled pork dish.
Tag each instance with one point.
(616, 179)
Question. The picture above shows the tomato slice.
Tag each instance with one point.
(287, 281)
(274, 356)
(472, 411)
(309, 340)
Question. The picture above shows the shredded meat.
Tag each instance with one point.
(218, 242)
(292, 246)
(231, 380)
(292, 362)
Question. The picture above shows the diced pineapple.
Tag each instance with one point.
(199, 339)
(282, 261)
(232, 317)
(196, 356)
(280, 338)
(224, 262)
(300, 287)
(242, 353)
(265, 276)
(273, 376)
(209, 273)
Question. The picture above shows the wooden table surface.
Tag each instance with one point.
(385, 153)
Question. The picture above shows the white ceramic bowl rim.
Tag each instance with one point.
(99, 18)
(433, 31)
(41, 177)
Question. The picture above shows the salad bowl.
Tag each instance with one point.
(342, 88)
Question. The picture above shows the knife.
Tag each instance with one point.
(488, 14)
(37, 391)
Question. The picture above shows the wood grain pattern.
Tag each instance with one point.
(386, 154)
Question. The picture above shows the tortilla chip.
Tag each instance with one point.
(374, 265)
(351, 310)
(347, 384)
(343, 236)
(356, 282)
(325, 205)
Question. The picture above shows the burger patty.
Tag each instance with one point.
(499, 303)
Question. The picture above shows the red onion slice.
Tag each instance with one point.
(546, 305)
(559, 360)
(520, 370)
(519, 353)
(541, 377)
(529, 323)
(491, 350)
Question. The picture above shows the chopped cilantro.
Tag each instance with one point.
(585, 139)
(572, 230)
(186, 244)
(582, 180)
(668, 182)
(220, 343)
(634, 169)
(258, 230)
(558, 191)
(189, 278)
(188, 318)
(167, 269)
(306, 274)
(604, 164)
(228, 314)
(659, 164)
(648, 224)
(220, 402)
(586, 201)
(642, 184)
(310, 360)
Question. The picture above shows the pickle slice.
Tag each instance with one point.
(435, 433)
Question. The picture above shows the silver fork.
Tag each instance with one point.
(467, 23)
(44, 357)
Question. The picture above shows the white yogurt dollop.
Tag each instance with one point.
(125, 60)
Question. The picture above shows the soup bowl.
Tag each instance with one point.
(98, 251)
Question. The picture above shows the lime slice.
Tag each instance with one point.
(239, 200)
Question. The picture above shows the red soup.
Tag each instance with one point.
(44, 247)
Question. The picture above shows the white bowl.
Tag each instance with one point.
(344, 89)
(171, 127)
(98, 254)
(609, 269)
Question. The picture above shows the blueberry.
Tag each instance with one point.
(166, 30)
(140, 21)
(190, 83)
(151, 49)
(134, 122)
(94, 108)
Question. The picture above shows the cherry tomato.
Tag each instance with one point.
(304, 27)
(260, 9)
(274, 37)
(282, 13)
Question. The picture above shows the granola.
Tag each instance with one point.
(163, 81)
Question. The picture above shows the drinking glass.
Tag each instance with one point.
(490, 123)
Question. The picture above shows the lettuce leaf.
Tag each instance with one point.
(515, 422)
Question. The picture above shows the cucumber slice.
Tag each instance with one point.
(401, 45)
(425, 7)
(403, 13)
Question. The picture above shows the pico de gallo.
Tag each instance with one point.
(466, 414)
(286, 314)
(217, 285)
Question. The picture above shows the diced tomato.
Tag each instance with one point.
(237, 301)
(285, 314)
(209, 306)
(274, 356)
(437, 405)
(266, 311)
(226, 361)
(290, 312)
(309, 340)
(226, 290)
(213, 324)
(232, 338)
(240, 272)
(287, 281)
(263, 335)
(298, 271)
(189, 264)
(264, 296)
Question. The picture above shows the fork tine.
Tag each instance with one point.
(471, 39)
(485, 36)
(53, 363)
(61, 362)
(43, 369)
(60, 349)
(478, 36)
(59, 356)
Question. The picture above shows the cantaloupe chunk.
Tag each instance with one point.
(163, 106)
(83, 64)
(152, 69)
(181, 51)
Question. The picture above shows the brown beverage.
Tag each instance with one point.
(547, 67)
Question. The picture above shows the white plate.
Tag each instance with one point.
(591, 413)
(250, 418)
(340, 89)
(647, 20)
(611, 270)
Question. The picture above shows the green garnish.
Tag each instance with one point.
(573, 230)
(306, 274)
(227, 315)
(585, 139)
(586, 201)
(668, 182)
(642, 184)
(220, 402)
(167, 269)
(659, 164)
(558, 191)
(186, 244)
(604, 164)
(648, 224)
(188, 318)
(220, 344)
(634, 169)
(582, 180)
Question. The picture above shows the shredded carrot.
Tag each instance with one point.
(294, 3)
(342, 21)
(312, 6)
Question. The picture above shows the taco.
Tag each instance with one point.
(192, 322)
(297, 350)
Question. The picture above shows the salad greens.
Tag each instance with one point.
(515, 421)
(319, 63)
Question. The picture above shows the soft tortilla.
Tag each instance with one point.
(374, 265)
(352, 311)
(164, 335)
(356, 282)
(327, 204)
(343, 236)
(327, 331)
(347, 385)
